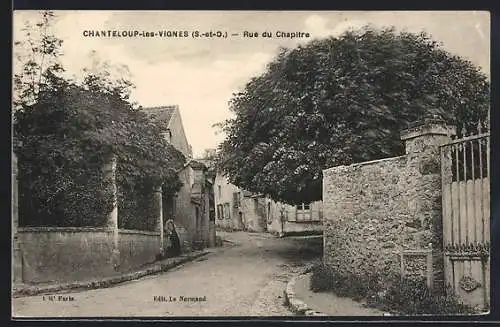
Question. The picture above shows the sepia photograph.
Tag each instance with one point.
(250, 164)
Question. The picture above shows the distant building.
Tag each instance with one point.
(285, 219)
(237, 209)
(209, 183)
(189, 208)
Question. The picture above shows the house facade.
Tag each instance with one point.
(209, 184)
(237, 209)
(285, 219)
(189, 208)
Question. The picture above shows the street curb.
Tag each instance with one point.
(299, 307)
(110, 281)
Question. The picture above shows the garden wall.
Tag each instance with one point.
(67, 254)
(137, 248)
(63, 254)
(381, 216)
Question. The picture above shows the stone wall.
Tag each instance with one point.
(65, 254)
(137, 248)
(376, 211)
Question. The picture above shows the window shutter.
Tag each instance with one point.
(291, 216)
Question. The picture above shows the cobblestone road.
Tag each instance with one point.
(243, 280)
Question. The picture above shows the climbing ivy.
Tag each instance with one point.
(66, 132)
(67, 137)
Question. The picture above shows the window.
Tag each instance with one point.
(220, 211)
(304, 212)
(269, 217)
(236, 199)
(219, 188)
(226, 211)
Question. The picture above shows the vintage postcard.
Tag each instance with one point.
(250, 163)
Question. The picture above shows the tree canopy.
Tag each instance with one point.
(66, 132)
(342, 100)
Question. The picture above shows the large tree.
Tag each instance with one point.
(67, 132)
(339, 101)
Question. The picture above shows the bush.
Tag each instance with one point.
(62, 197)
(394, 294)
(321, 279)
(411, 297)
(324, 279)
(137, 208)
(64, 140)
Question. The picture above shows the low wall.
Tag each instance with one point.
(294, 227)
(137, 248)
(275, 226)
(55, 254)
(64, 254)
(376, 210)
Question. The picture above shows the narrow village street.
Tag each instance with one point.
(246, 278)
(189, 164)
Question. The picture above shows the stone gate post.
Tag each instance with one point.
(112, 223)
(422, 142)
(159, 217)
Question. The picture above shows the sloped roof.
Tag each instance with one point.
(207, 162)
(161, 113)
(197, 164)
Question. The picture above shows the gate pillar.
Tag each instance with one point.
(422, 142)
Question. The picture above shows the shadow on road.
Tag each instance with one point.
(300, 250)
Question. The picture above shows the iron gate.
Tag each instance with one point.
(465, 172)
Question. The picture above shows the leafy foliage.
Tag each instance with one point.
(67, 133)
(67, 137)
(412, 297)
(38, 53)
(394, 294)
(339, 101)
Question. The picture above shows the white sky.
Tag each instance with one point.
(200, 75)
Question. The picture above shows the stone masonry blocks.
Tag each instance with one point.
(375, 210)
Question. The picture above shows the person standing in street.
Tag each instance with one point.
(173, 246)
